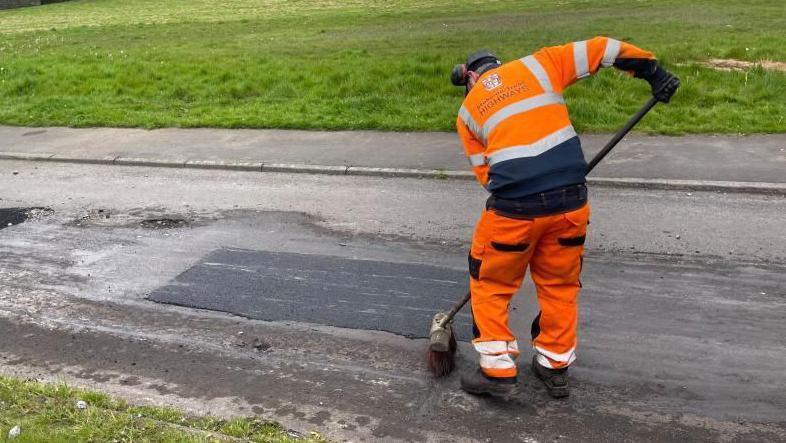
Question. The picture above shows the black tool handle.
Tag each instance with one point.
(454, 310)
(621, 134)
(459, 305)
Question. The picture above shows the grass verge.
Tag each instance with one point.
(49, 413)
(368, 64)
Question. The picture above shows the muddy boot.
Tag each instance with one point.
(556, 380)
(478, 384)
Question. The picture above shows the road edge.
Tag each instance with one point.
(434, 174)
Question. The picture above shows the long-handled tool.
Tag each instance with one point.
(442, 346)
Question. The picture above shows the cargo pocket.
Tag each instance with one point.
(579, 217)
(510, 234)
(576, 232)
(507, 250)
(505, 247)
(474, 266)
(572, 241)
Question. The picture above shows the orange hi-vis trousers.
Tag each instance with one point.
(502, 248)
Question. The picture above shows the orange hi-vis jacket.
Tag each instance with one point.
(514, 123)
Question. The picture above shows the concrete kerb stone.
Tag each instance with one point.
(632, 183)
(411, 173)
(154, 162)
(107, 160)
(691, 185)
(230, 166)
(25, 156)
(304, 169)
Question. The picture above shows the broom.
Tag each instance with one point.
(442, 342)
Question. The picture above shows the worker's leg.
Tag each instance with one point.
(501, 248)
(556, 267)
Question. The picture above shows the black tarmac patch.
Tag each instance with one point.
(400, 298)
(15, 216)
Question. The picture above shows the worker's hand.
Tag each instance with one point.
(664, 84)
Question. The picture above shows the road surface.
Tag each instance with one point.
(300, 298)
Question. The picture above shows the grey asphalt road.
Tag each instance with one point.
(681, 315)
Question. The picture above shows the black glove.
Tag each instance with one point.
(664, 84)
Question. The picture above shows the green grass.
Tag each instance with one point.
(48, 413)
(368, 64)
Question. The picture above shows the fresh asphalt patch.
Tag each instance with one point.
(15, 216)
(401, 298)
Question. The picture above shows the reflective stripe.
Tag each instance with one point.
(580, 59)
(502, 361)
(534, 149)
(537, 70)
(497, 348)
(477, 159)
(528, 104)
(611, 52)
(491, 347)
(466, 117)
(543, 361)
(566, 357)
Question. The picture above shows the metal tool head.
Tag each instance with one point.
(441, 333)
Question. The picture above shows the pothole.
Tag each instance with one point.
(138, 218)
(163, 223)
(15, 216)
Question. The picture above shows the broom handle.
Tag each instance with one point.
(459, 305)
(453, 311)
(621, 133)
(594, 162)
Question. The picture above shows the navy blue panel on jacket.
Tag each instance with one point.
(561, 165)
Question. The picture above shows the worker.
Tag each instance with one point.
(523, 149)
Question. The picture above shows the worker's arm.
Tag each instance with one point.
(474, 150)
(578, 60)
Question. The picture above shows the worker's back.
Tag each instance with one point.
(514, 122)
(523, 122)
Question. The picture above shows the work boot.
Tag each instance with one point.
(556, 380)
(478, 383)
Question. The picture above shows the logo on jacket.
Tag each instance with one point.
(492, 82)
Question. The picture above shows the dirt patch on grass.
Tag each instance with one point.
(730, 64)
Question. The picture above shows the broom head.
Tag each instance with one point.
(442, 347)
